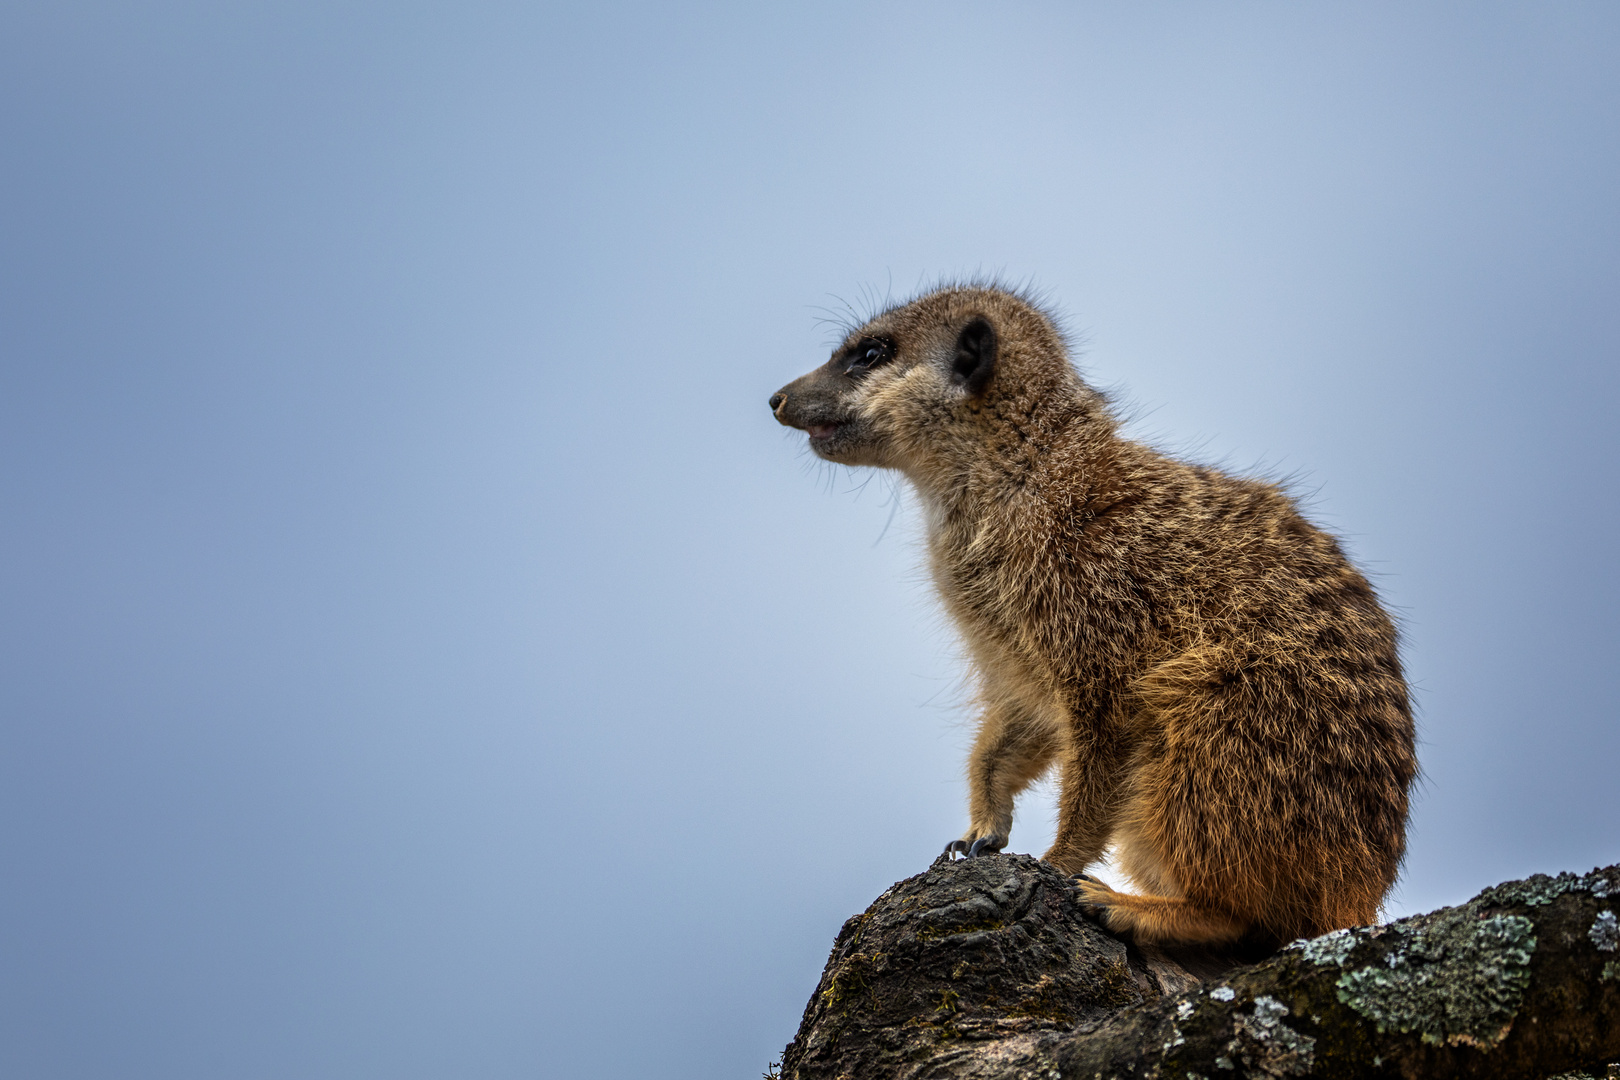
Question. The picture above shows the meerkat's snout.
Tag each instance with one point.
(828, 403)
(800, 406)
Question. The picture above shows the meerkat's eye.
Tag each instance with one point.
(868, 354)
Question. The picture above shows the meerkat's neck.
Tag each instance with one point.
(1022, 447)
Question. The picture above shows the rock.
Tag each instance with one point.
(989, 967)
(970, 951)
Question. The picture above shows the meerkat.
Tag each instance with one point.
(1216, 684)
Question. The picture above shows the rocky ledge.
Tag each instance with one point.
(989, 967)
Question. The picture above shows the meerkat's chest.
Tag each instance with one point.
(1025, 593)
(994, 591)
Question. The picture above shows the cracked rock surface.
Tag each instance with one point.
(988, 968)
(971, 953)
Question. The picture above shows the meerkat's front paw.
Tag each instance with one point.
(989, 844)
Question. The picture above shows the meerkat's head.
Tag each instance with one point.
(930, 384)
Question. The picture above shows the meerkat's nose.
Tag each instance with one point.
(777, 399)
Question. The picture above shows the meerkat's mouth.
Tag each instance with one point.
(822, 432)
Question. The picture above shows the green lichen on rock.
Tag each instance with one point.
(1458, 979)
(1539, 889)
(1331, 949)
(1605, 932)
(1266, 1045)
(989, 968)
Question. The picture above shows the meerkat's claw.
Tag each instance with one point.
(990, 844)
(986, 844)
(1092, 890)
(1095, 897)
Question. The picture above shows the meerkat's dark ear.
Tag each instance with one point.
(975, 355)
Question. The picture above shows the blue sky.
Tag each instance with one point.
(424, 656)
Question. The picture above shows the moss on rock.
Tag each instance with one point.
(990, 968)
(1457, 979)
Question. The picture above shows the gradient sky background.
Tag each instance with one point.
(424, 656)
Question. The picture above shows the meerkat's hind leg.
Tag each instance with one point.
(1158, 920)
